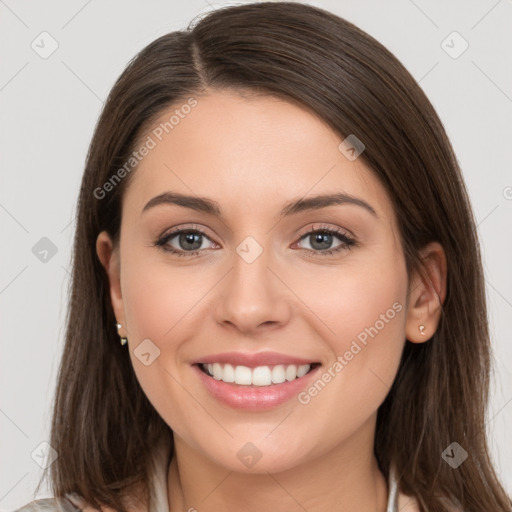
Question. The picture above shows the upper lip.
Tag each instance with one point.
(252, 360)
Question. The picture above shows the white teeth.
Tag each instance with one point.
(243, 375)
(217, 371)
(259, 376)
(291, 372)
(228, 374)
(302, 370)
(278, 375)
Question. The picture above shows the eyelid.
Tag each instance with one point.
(318, 226)
(301, 233)
(187, 227)
(345, 236)
(162, 240)
(347, 241)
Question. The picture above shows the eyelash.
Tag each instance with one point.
(347, 244)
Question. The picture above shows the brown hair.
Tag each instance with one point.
(103, 425)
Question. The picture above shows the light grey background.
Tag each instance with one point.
(49, 108)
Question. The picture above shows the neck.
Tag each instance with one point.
(345, 478)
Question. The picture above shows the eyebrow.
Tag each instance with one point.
(211, 207)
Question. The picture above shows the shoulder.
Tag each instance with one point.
(61, 504)
(70, 502)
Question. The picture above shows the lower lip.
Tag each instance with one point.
(255, 397)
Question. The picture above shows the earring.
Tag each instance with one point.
(422, 330)
(124, 341)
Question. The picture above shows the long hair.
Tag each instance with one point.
(103, 425)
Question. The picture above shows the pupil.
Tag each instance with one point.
(189, 238)
(322, 238)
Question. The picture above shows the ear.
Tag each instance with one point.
(108, 255)
(427, 292)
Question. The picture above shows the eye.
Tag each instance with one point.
(322, 238)
(189, 242)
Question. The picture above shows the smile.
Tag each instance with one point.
(258, 376)
(253, 388)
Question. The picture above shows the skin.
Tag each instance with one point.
(252, 154)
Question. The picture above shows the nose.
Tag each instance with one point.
(253, 297)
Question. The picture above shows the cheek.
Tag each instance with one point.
(371, 314)
(156, 297)
(159, 306)
(372, 319)
(366, 316)
(362, 300)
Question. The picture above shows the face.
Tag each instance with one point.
(315, 283)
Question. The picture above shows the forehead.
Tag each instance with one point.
(259, 150)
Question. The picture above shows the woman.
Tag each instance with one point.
(277, 295)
